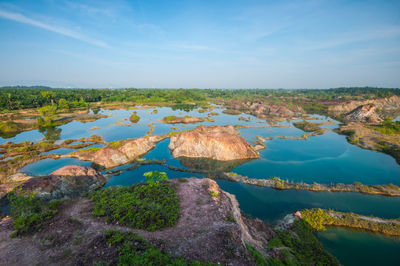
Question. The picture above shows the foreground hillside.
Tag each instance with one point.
(204, 225)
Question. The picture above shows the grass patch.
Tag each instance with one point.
(307, 126)
(133, 250)
(170, 118)
(93, 149)
(230, 218)
(214, 194)
(319, 218)
(29, 213)
(304, 248)
(388, 127)
(115, 144)
(150, 206)
(134, 118)
(231, 112)
(9, 127)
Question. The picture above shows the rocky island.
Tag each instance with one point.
(220, 143)
(118, 152)
(182, 120)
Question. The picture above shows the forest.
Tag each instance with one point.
(20, 97)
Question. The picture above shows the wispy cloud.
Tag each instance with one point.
(389, 32)
(91, 10)
(63, 31)
(193, 47)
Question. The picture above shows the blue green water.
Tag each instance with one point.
(326, 158)
(361, 248)
(272, 205)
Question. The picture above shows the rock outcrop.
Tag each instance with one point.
(363, 113)
(118, 152)
(220, 143)
(389, 106)
(266, 110)
(67, 182)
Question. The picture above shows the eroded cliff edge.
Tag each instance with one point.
(211, 229)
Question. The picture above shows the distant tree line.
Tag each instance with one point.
(18, 97)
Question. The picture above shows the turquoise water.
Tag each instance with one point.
(361, 248)
(326, 158)
(47, 166)
(272, 205)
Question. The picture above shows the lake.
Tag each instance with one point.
(326, 158)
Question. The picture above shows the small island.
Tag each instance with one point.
(172, 119)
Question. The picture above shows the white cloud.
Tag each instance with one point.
(66, 32)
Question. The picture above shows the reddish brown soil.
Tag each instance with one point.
(204, 232)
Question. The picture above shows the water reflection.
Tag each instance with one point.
(51, 133)
(209, 164)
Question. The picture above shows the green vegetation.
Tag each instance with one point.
(275, 243)
(231, 112)
(133, 250)
(150, 206)
(47, 115)
(29, 212)
(94, 149)
(116, 144)
(388, 127)
(258, 258)
(389, 148)
(14, 98)
(171, 117)
(307, 126)
(154, 178)
(134, 118)
(318, 219)
(184, 107)
(230, 218)
(303, 246)
(214, 194)
(350, 136)
(8, 127)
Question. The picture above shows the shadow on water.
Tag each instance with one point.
(209, 164)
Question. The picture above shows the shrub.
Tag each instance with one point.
(153, 178)
(304, 247)
(317, 218)
(30, 212)
(134, 118)
(149, 206)
(307, 126)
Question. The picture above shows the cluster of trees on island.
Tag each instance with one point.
(18, 97)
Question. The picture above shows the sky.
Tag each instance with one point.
(200, 44)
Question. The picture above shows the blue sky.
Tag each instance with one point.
(200, 44)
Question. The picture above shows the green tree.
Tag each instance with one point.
(154, 178)
(49, 96)
(63, 104)
(47, 115)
